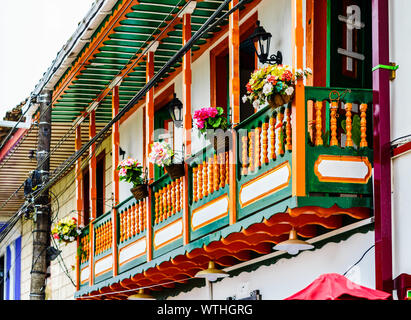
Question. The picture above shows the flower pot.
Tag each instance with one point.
(175, 170)
(140, 191)
(278, 100)
(221, 143)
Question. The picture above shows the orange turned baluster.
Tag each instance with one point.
(280, 126)
(227, 167)
(244, 145)
(195, 185)
(169, 207)
(211, 175)
(179, 183)
(363, 109)
(222, 169)
(251, 142)
(138, 218)
(133, 220)
(257, 148)
(128, 221)
(216, 173)
(265, 142)
(288, 131)
(273, 121)
(122, 226)
(160, 205)
(348, 125)
(173, 197)
(318, 124)
(143, 215)
(205, 178)
(165, 209)
(156, 207)
(200, 181)
(333, 124)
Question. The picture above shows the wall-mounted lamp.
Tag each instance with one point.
(262, 40)
(175, 108)
(141, 295)
(122, 152)
(293, 245)
(212, 273)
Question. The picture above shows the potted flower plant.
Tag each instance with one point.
(273, 84)
(163, 155)
(130, 170)
(208, 121)
(66, 230)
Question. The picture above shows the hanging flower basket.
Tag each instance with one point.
(65, 230)
(273, 85)
(175, 170)
(163, 156)
(131, 171)
(140, 191)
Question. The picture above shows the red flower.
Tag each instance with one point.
(249, 90)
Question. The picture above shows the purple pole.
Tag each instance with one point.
(382, 147)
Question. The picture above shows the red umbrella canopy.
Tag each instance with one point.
(333, 286)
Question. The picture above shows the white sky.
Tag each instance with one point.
(32, 32)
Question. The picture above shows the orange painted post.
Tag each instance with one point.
(333, 124)
(115, 136)
(79, 198)
(187, 81)
(93, 193)
(149, 140)
(234, 89)
(363, 109)
(298, 106)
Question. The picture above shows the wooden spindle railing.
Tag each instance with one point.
(210, 175)
(167, 199)
(131, 220)
(85, 247)
(352, 103)
(103, 234)
(264, 138)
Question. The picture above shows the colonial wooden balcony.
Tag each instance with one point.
(233, 216)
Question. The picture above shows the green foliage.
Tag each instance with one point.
(356, 129)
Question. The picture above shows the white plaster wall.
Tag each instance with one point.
(275, 17)
(400, 28)
(401, 204)
(400, 47)
(131, 141)
(288, 276)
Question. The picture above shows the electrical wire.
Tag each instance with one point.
(362, 257)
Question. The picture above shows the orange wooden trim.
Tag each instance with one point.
(149, 226)
(298, 106)
(187, 80)
(116, 181)
(186, 208)
(211, 220)
(136, 256)
(91, 253)
(232, 176)
(267, 193)
(170, 240)
(150, 111)
(321, 178)
(234, 63)
(105, 270)
(92, 167)
(79, 179)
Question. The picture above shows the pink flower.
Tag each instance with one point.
(123, 172)
(56, 236)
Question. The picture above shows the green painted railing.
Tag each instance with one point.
(339, 132)
(263, 152)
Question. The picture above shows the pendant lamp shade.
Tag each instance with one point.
(212, 273)
(293, 245)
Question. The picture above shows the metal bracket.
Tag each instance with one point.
(392, 67)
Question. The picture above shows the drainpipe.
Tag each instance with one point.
(382, 152)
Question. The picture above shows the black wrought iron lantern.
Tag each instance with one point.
(175, 108)
(262, 41)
